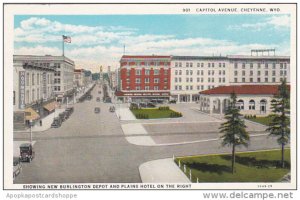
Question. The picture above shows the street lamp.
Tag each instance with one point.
(30, 124)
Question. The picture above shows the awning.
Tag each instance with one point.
(30, 114)
(50, 106)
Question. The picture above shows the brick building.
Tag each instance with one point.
(144, 78)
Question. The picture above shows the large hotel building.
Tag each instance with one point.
(182, 78)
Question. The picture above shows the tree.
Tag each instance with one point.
(280, 124)
(234, 129)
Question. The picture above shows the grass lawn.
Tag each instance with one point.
(153, 113)
(259, 166)
(262, 120)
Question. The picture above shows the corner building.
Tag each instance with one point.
(144, 78)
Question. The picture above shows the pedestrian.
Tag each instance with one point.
(41, 123)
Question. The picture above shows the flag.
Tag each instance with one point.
(67, 39)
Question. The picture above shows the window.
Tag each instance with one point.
(212, 72)
(285, 65)
(285, 72)
(156, 80)
(38, 79)
(243, 73)
(176, 87)
(243, 80)
(212, 80)
(187, 72)
(281, 73)
(187, 87)
(223, 65)
(223, 80)
(202, 72)
(208, 79)
(137, 72)
(202, 80)
(176, 72)
(266, 66)
(202, 87)
(198, 87)
(180, 64)
(208, 72)
(208, 64)
(251, 65)
(273, 80)
(251, 80)
(165, 80)
(281, 65)
(223, 72)
(137, 80)
(235, 80)
(274, 73)
(240, 104)
(258, 80)
(180, 72)
(32, 79)
(166, 72)
(191, 80)
(220, 65)
(198, 72)
(191, 64)
(176, 80)
(156, 72)
(147, 88)
(198, 79)
(198, 64)
(147, 72)
(187, 64)
(220, 72)
(202, 64)
(191, 87)
(266, 73)
(27, 79)
(266, 80)
(220, 80)
(258, 73)
(251, 104)
(180, 87)
(138, 88)
(127, 72)
(243, 65)
(155, 87)
(251, 73)
(274, 65)
(258, 65)
(235, 65)
(213, 64)
(187, 79)
(235, 73)
(191, 72)
(176, 64)
(14, 98)
(179, 79)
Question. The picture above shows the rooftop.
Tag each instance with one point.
(244, 89)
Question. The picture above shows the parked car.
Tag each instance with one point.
(151, 105)
(143, 105)
(16, 167)
(97, 110)
(172, 101)
(99, 92)
(89, 97)
(26, 152)
(98, 99)
(70, 110)
(107, 100)
(56, 122)
(112, 109)
(62, 116)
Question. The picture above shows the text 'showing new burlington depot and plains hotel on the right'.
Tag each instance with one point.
(207, 80)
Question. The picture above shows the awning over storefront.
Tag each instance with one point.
(30, 114)
(50, 106)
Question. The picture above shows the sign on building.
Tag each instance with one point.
(22, 89)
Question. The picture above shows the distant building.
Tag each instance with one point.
(144, 78)
(79, 78)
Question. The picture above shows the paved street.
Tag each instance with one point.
(91, 148)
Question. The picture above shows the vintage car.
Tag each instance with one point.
(111, 109)
(98, 99)
(97, 110)
(26, 152)
(56, 122)
(16, 167)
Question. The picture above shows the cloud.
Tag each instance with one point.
(281, 22)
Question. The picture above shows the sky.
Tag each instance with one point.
(99, 39)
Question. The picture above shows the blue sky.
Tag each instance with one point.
(98, 40)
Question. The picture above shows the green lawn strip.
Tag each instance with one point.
(153, 113)
(262, 120)
(250, 167)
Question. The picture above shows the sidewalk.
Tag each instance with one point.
(162, 171)
(123, 112)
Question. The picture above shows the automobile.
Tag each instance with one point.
(172, 101)
(107, 100)
(98, 99)
(70, 110)
(56, 122)
(89, 97)
(62, 116)
(111, 109)
(143, 105)
(97, 110)
(16, 167)
(99, 92)
(26, 152)
(151, 105)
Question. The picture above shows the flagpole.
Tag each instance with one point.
(63, 46)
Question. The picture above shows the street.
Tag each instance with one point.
(92, 148)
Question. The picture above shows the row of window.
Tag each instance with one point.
(282, 73)
(147, 80)
(149, 63)
(138, 72)
(240, 104)
(190, 64)
(191, 87)
(190, 72)
(209, 79)
(148, 88)
(259, 65)
(258, 80)
(37, 79)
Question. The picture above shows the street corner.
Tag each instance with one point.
(162, 171)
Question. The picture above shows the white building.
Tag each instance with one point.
(78, 78)
(251, 99)
(191, 74)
